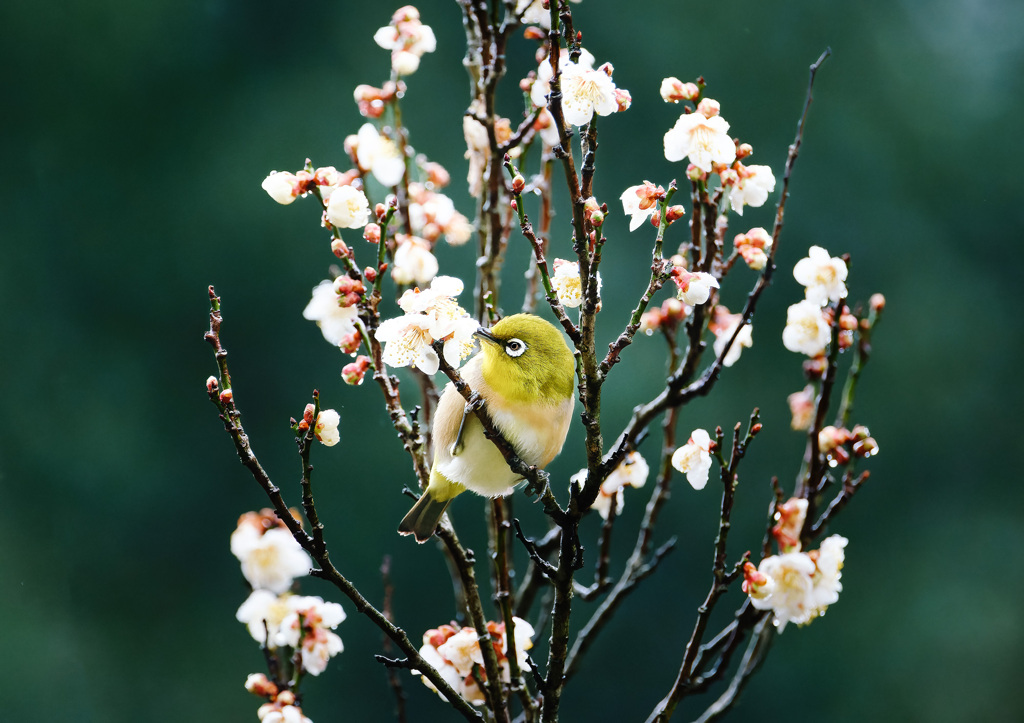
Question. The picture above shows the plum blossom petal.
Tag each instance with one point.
(694, 458)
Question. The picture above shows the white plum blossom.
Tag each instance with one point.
(414, 263)
(455, 653)
(829, 559)
(335, 321)
(271, 559)
(283, 187)
(694, 288)
(348, 207)
(798, 586)
(586, 91)
(806, 330)
(567, 284)
(431, 315)
(407, 342)
(724, 328)
(311, 622)
(377, 155)
(542, 86)
(789, 589)
(640, 203)
(326, 428)
(262, 612)
(694, 458)
(704, 140)
(407, 39)
(822, 275)
(751, 188)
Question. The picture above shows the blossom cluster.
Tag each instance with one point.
(430, 315)
(797, 586)
(302, 623)
(455, 652)
(823, 277)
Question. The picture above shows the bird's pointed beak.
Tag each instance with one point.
(485, 333)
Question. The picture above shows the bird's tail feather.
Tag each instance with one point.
(423, 517)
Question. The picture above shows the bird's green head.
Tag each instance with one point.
(525, 359)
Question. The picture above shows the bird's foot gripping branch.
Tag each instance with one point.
(521, 375)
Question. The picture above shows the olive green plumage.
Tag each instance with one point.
(524, 372)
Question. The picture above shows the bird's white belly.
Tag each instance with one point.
(480, 467)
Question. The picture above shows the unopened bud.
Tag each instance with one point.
(259, 684)
(596, 219)
(372, 233)
(370, 273)
(380, 211)
(338, 247)
(729, 177)
(674, 213)
(756, 428)
(226, 396)
(353, 373)
(877, 302)
(518, 184)
(708, 107)
(286, 697)
(351, 342)
(211, 384)
(815, 368)
(307, 413)
(656, 219)
(695, 174)
(743, 150)
(532, 32)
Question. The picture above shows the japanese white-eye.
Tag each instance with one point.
(524, 372)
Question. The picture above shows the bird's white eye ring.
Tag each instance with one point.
(515, 347)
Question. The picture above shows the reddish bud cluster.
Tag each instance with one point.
(259, 685)
(752, 579)
(371, 101)
(837, 444)
(349, 290)
(753, 246)
(351, 342)
(353, 373)
(667, 316)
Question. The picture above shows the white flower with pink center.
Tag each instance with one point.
(585, 92)
(348, 207)
(309, 627)
(751, 188)
(271, 559)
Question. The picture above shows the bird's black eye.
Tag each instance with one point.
(514, 347)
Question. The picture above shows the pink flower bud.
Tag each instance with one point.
(372, 233)
(695, 174)
(518, 184)
(211, 384)
(708, 107)
(338, 247)
(743, 150)
(370, 273)
(259, 684)
(674, 213)
(877, 302)
(380, 211)
(531, 32)
(307, 413)
(623, 99)
(353, 373)
(351, 342)
(285, 697)
(597, 219)
(226, 397)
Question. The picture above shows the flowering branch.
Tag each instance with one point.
(224, 401)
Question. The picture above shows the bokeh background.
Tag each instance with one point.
(134, 139)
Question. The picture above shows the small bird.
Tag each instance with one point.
(525, 373)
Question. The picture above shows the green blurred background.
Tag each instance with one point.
(134, 139)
